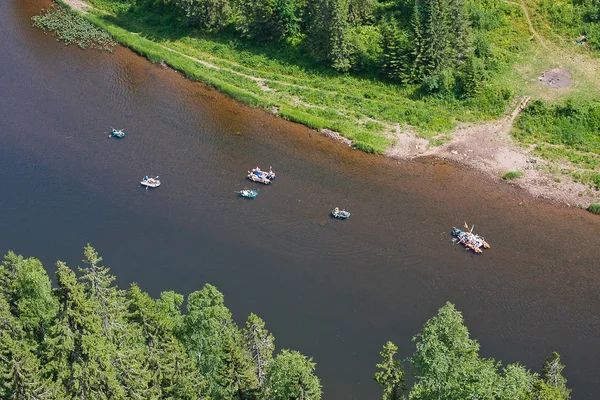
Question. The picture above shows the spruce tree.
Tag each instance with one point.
(173, 372)
(317, 16)
(78, 354)
(21, 375)
(340, 47)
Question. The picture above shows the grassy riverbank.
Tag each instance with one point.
(280, 78)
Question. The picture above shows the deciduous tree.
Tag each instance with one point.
(391, 377)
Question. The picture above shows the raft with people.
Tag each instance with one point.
(469, 239)
(150, 182)
(341, 214)
(264, 177)
(249, 194)
(118, 133)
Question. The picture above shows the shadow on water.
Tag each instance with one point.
(335, 290)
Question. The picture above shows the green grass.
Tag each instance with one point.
(512, 175)
(595, 208)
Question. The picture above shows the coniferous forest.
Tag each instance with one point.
(84, 338)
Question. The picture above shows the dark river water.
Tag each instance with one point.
(334, 290)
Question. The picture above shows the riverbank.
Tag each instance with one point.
(428, 129)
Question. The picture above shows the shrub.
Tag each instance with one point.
(512, 175)
(595, 208)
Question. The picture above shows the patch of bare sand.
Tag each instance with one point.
(490, 149)
(556, 78)
(78, 5)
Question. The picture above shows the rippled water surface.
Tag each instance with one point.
(335, 290)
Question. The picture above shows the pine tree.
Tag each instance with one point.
(459, 30)
(437, 32)
(473, 76)
(446, 363)
(391, 377)
(396, 52)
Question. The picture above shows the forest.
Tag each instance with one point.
(84, 338)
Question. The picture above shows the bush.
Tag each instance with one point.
(512, 175)
(595, 208)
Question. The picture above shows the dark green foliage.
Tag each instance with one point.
(391, 377)
(268, 19)
(21, 374)
(214, 341)
(211, 15)
(89, 339)
(73, 28)
(340, 50)
(595, 208)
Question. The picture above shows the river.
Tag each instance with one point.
(334, 290)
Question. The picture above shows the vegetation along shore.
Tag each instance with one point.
(496, 85)
(86, 338)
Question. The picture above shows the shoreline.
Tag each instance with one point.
(490, 149)
(486, 147)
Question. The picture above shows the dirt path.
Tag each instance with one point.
(78, 5)
(533, 31)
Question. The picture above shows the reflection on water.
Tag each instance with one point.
(335, 290)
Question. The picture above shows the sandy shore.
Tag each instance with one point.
(489, 148)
